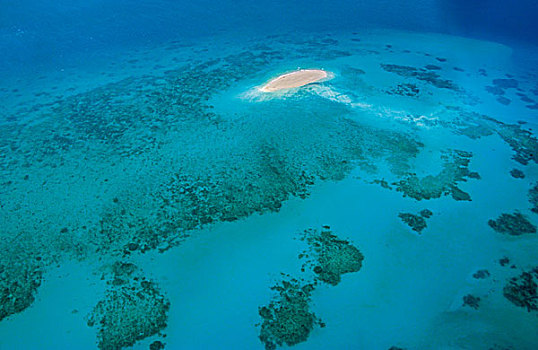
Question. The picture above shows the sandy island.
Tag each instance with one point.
(295, 79)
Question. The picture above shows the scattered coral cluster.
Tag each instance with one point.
(427, 75)
(515, 224)
(288, 319)
(19, 280)
(416, 222)
(410, 90)
(533, 198)
(522, 290)
(475, 126)
(455, 169)
(471, 301)
(517, 174)
(133, 309)
(330, 256)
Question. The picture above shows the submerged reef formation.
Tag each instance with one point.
(133, 309)
(410, 90)
(499, 89)
(471, 301)
(416, 222)
(517, 173)
(515, 224)
(481, 274)
(288, 319)
(256, 171)
(522, 290)
(331, 257)
(426, 75)
(19, 280)
(533, 198)
(455, 169)
(22, 266)
(475, 126)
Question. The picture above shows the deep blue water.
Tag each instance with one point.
(40, 32)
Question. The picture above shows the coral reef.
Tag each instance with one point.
(455, 169)
(475, 125)
(515, 224)
(517, 174)
(503, 100)
(505, 83)
(521, 141)
(288, 319)
(416, 222)
(383, 183)
(332, 256)
(533, 198)
(522, 290)
(133, 309)
(410, 90)
(156, 345)
(471, 301)
(426, 213)
(481, 274)
(425, 75)
(432, 67)
(19, 280)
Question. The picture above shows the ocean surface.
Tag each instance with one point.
(153, 197)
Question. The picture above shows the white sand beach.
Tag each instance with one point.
(295, 79)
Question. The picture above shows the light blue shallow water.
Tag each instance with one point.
(152, 196)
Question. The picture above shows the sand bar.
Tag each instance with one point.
(295, 79)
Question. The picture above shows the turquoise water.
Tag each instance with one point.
(154, 196)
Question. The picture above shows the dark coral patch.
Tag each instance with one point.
(426, 213)
(503, 100)
(526, 99)
(506, 83)
(455, 169)
(133, 309)
(416, 222)
(517, 174)
(495, 90)
(471, 301)
(533, 198)
(522, 290)
(432, 67)
(18, 286)
(513, 224)
(410, 90)
(481, 274)
(333, 256)
(288, 319)
(427, 76)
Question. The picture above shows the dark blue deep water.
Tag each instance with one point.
(39, 32)
(269, 174)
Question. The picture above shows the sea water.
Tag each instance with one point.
(153, 197)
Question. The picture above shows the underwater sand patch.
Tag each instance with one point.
(295, 79)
